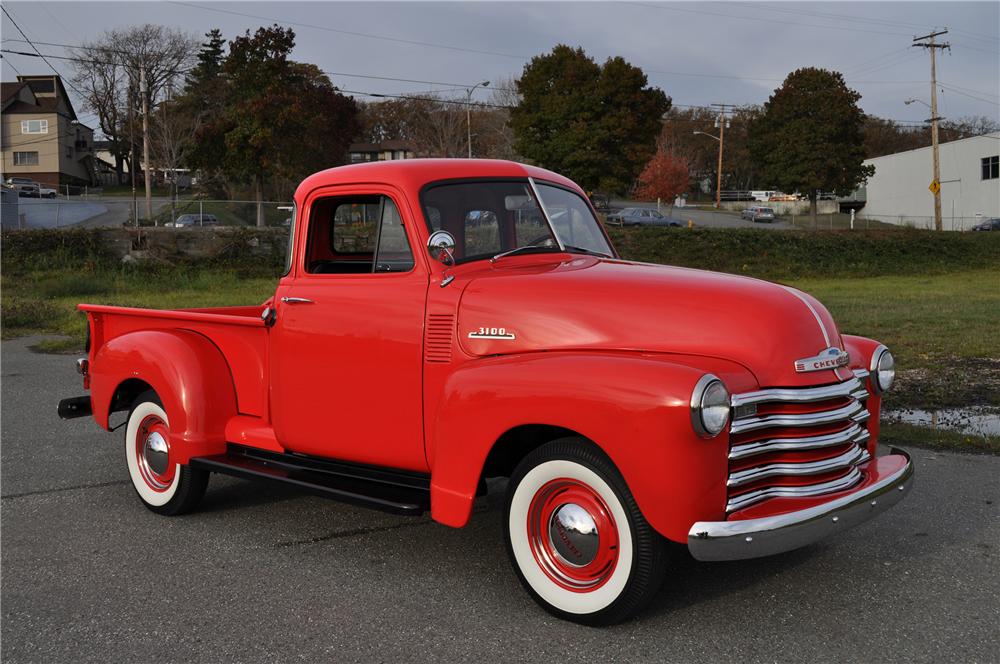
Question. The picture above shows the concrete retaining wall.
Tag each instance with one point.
(167, 243)
(783, 208)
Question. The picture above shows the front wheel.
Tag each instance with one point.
(576, 537)
(164, 486)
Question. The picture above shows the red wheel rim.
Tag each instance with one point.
(573, 535)
(152, 453)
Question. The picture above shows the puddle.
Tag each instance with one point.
(981, 421)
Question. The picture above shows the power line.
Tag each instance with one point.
(764, 20)
(11, 65)
(61, 77)
(982, 92)
(992, 102)
(351, 32)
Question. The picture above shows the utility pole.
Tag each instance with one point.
(144, 91)
(131, 148)
(721, 122)
(468, 110)
(928, 42)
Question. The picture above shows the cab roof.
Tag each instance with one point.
(412, 175)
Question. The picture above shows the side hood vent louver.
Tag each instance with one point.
(437, 342)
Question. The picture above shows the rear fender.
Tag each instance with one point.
(189, 374)
(635, 407)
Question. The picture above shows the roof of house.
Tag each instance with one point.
(10, 89)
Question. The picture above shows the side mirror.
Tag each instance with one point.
(441, 246)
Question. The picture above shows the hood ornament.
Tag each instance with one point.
(831, 358)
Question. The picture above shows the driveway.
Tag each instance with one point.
(268, 574)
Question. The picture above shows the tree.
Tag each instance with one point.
(810, 136)
(594, 123)
(108, 72)
(279, 119)
(666, 176)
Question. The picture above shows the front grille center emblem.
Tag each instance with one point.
(831, 358)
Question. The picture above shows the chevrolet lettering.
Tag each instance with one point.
(443, 322)
(831, 358)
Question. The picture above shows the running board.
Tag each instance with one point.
(387, 490)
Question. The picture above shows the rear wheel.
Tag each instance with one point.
(576, 538)
(164, 486)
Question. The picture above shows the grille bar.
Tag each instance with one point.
(853, 410)
(840, 484)
(853, 388)
(789, 441)
(853, 434)
(849, 458)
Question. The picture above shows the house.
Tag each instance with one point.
(359, 153)
(41, 136)
(970, 184)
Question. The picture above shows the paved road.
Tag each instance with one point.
(267, 574)
(707, 217)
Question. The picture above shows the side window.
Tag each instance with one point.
(356, 235)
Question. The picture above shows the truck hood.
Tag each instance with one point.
(606, 304)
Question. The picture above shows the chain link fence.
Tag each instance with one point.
(95, 211)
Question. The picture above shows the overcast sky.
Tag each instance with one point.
(698, 53)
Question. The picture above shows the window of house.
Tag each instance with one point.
(26, 159)
(34, 126)
(356, 235)
(991, 167)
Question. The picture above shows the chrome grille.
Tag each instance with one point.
(797, 442)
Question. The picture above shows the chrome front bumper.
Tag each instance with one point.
(753, 538)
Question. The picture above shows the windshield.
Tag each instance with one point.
(488, 218)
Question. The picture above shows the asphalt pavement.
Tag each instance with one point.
(263, 573)
(706, 217)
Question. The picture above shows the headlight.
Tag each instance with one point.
(709, 406)
(883, 369)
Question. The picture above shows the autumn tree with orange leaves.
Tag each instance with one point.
(666, 176)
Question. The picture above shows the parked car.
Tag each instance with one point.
(758, 213)
(988, 225)
(629, 404)
(25, 187)
(47, 192)
(188, 220)
(641, 217)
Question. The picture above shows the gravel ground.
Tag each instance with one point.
(267, 574)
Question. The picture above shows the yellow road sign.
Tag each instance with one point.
(934, 186)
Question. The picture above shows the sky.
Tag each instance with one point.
(699, 53)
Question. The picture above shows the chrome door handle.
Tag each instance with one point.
(296, 300)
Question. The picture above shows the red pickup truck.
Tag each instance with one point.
(440, 322)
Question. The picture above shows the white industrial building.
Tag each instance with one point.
(970, 185)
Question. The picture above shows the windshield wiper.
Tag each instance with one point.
(528, 248)
(581, 250)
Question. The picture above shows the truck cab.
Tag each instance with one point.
(442, 322)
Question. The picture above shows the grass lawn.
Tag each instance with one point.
(933, 299)
(923, 319)
(45, 302)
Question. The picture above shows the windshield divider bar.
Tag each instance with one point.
(545, 213)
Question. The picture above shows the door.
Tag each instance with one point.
(346, 347)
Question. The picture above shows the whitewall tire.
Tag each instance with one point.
(162, 484)
(576, 538)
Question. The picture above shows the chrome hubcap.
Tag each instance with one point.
(573, 534)
(154, 453)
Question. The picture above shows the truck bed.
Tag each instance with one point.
(238, 332)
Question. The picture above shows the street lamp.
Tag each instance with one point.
(468, 110)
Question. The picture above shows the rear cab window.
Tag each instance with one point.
(356, 234)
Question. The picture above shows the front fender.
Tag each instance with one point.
(635, 407)
(187, 371)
